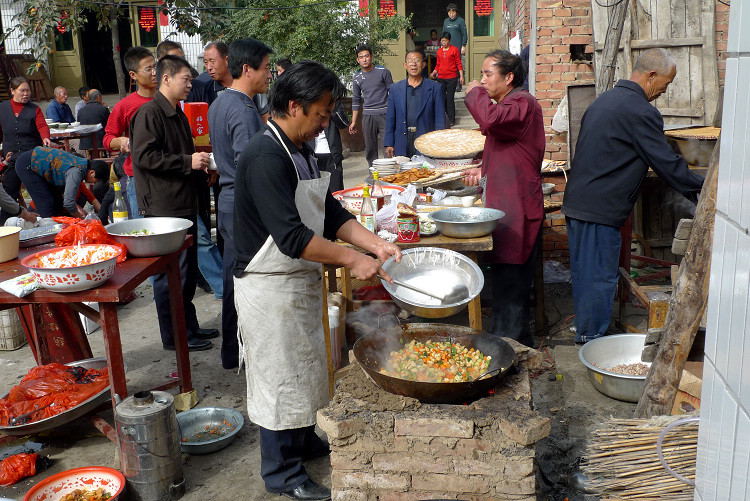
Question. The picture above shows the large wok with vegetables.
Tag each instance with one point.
(434, 363)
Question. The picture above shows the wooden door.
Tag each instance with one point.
(483, 21)
(66, 68)
(685, 28)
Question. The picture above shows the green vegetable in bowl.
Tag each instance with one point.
(139, 232)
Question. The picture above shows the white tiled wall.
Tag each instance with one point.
(723, 464)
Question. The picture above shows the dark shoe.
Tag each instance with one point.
(307, 491)
(205, 333)
(193, 345)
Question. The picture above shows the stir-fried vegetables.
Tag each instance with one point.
(436, 362)
(77, 256)
(142, 231)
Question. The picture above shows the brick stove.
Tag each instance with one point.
(391, 448)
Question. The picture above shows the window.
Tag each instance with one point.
(148, 27)
(484, 18)
(63, 41)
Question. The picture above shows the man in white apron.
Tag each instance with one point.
(288, 218)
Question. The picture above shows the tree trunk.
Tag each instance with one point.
(686, 307)
(115, 30)
(608, 59)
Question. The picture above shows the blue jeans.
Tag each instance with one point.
(209, 260)
(132, 200)
(594, 259)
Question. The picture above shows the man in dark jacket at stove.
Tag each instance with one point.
(621, 137)
(164, 159)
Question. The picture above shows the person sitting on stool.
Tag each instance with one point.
(47, 171)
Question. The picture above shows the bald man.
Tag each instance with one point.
(621, 136)
(58, 110)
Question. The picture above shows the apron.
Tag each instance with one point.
(279, 304)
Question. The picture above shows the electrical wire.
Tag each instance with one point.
(208, 8)
(723, 2)
(607, 6)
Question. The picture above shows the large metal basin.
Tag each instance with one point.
(226, 423)
(436, 270)
(607, 352)
(73, 413)
(166, 235)
(468, 222)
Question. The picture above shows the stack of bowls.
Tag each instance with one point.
(385, 166)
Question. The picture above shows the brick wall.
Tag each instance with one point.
(721, 23)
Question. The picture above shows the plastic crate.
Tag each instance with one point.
(12, 336)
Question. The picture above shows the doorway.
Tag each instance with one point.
(99, 68)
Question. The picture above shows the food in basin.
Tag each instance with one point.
(73, 268)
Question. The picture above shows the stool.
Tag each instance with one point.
(37, 89)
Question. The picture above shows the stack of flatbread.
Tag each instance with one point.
(450, 143)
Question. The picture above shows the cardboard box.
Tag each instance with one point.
(197, 115)
(89, 325)
(688, 396)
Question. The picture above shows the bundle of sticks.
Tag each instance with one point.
(621, 460)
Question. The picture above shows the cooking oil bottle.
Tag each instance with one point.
(119, 209)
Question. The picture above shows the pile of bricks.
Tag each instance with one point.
(392, 448)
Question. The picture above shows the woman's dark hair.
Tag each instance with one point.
(452, 6)
(508, 63)
(100, 168)
(16, 82)
(246, 51)
(446, 35)
(305, 82)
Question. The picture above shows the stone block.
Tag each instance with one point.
(434, 427)
(524, 486)
(350, 460)
(654, 334)
(679, 247)
(452, 482)
(524, 426)
(522, 467)
(684, 227)
(411, 463)
(348, 495)
(361, 480)
(476, 467)
(339, 428)
(415, 496)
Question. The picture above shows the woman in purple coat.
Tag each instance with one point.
(511, 120)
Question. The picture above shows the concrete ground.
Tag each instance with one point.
(234, 473)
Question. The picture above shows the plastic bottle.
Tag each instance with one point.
(367, 214)
(377, 186)
(119, 209)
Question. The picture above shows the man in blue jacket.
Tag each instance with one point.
(621, 137)
(415, 107)
(58, 110)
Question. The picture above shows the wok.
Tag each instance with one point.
(373, 349)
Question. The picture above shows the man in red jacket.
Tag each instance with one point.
(141, 65)
(512, 120)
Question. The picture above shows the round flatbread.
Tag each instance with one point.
(450, 143)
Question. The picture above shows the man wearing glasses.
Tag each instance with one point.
(415, 107)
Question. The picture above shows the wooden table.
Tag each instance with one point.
(470, 247)
(127, 276)
(64, 137)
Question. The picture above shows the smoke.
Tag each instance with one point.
(372, 316)
(696, 151)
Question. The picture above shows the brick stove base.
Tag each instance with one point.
(392, 448)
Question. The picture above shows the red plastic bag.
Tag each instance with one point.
(371, 293)
(89, 231)
(16, 467)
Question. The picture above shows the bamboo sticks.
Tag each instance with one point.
(621, 459)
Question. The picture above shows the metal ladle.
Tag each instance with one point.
(456, 294)
(23, 418)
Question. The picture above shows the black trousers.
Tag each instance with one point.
(229, 343)
(11, 184)
(281, 453)
(325, 163)
(188, 273)
(449, 94)
(511, 298)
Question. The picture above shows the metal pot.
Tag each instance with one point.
(467, 222)
(373, 349)
(166, 235)
(608, 351)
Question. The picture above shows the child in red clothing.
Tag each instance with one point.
(142, 68)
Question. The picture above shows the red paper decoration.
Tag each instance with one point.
(364, 6)
(387, 9)
(483, 7)
(146, 19)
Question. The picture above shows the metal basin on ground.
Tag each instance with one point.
(73, 413)
(435, 270)
(165, 235)
(606, 352)
(208, 429)
(372, 351)
(466, 222)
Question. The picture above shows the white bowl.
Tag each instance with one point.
(72, 279)
(468, 201)
(445, 163)
(547, 188)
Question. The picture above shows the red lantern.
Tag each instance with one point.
(483, 7)
(387, 9)
(146, 19)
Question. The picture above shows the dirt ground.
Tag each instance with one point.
(562, 393)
